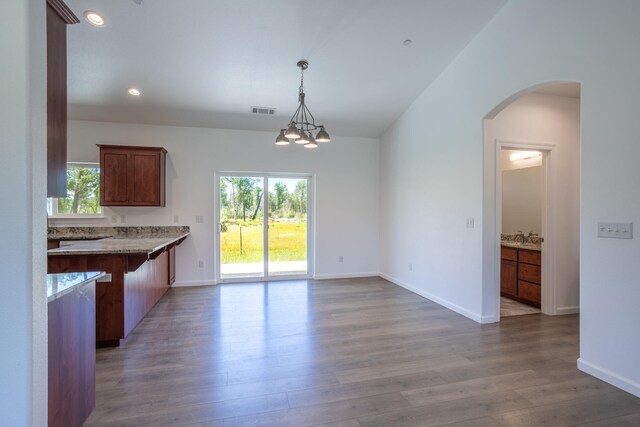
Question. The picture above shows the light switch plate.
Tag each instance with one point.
(615, 230)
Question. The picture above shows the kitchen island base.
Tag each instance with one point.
(137, 282)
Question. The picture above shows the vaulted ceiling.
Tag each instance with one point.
(204, 63)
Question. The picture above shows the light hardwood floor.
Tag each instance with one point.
(359, 352)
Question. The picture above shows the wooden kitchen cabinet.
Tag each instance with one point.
(72, 357)
(521, 275)
(132, 176)
(58, 17)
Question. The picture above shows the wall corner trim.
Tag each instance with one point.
(609, 377)
(447, 304)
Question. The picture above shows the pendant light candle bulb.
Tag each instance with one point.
(292, 132)
(322, 135)
(281, 139)
(303, 138)
(312, 142)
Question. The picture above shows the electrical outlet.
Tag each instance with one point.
(176, 219)
(199, 219)
(471, 222)
(340, 258)
(410, 267)
(615, 230)
(200, 264)
(114, 219)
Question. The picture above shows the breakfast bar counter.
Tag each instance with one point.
(139, 263)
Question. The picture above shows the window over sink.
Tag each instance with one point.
(83, 193)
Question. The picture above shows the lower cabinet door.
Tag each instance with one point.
(508, 277)
(529, 291)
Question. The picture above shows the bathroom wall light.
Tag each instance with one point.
(524, 155)
(134, 92)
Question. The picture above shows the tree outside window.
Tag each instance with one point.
(83, 192)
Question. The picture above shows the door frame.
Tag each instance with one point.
(265, 204)
(548, 297)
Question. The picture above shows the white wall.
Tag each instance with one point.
(346, 195)
(522, 200)
(432, 168)
(23, 306)
(546, 119)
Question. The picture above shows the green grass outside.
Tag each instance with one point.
(287, 242)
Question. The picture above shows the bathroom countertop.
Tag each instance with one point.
(517, 245)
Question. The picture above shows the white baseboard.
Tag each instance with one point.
(567, 310)
(451, 306)
(189, 283)
(489, 319)
(344, 275)
(609, 377)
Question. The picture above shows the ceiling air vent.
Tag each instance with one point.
(263, 110)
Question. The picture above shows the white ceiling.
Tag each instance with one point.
(203, 63)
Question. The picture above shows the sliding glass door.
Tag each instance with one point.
(250, 248)
(287, 226)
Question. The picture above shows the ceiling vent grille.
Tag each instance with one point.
(263, 110)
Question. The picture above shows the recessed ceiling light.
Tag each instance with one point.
(407, 42)
(134, 92)
(94, 18)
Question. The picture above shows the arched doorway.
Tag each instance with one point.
(545, 118)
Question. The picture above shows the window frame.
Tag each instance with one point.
(53, 201)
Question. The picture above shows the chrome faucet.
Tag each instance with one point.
(520, 236)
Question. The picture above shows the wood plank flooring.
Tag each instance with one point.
(359, 352)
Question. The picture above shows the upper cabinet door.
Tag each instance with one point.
(114, 178)
(132, 176)
(58, 17)
(146, 178)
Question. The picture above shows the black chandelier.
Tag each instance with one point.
(302, 123)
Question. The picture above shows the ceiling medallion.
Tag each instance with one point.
(302, 123)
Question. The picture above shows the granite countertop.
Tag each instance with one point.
(518, 245)
(95, 233)
(59, 285)
(116, 245)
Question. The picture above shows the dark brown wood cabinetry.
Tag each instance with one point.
(58, 17)
(509, 272)
(132, 176)
(72, 357)
(520, 275)
(137, 282)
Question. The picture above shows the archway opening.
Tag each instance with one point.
(544, 118)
